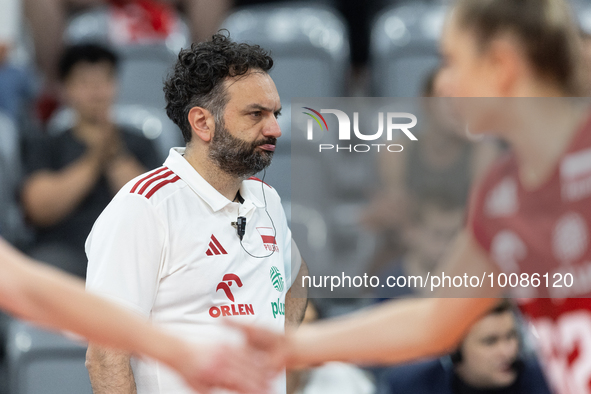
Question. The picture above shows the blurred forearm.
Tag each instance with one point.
(395, 332)
(44, 295)
(402, 330)
(48, 196)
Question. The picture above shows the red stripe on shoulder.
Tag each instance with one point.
(254, 178)
(151, 174)
(154, 179)
(160, 185)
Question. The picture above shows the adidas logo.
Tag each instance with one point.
(215, 247)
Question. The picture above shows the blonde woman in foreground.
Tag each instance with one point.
(531, 214)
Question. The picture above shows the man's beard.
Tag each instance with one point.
(237, 157)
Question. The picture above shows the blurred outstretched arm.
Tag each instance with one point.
(46, 296)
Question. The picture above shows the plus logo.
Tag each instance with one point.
(230, 309)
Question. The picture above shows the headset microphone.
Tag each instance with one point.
(240, 225)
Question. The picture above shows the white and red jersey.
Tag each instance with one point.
(546, 230)
(166, 248)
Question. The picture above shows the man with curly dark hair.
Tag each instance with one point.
(199, 81)
(174, 237)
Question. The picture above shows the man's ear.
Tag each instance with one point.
(202, 123)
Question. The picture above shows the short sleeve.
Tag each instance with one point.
(125, 252)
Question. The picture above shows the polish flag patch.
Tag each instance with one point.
(268, 236)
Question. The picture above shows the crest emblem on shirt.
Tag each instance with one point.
(502, 199)
(268, 236)
(507, 249)
(570, 238)
(575, 175)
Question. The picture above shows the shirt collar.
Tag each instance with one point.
(248, 195)
(181, 167)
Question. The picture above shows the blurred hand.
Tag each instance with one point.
(223, 366)
(114, 146)
(279, 351)
(104, 142)
(270, 346)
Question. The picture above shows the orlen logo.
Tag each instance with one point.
(392, 123)
(230, 309)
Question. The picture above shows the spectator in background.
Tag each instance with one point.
(488, 361)
(48, 20)
(434, 223)
(73, 176)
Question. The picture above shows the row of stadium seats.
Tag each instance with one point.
(309, 43)
(40, 361)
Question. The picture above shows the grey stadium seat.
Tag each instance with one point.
(40, 361)
(90, 25)
(308, 42)
(143, 66)
(404, 47)
(93, 25)
(142, 74)
(405, 39)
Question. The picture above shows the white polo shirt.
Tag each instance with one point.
(165, 247)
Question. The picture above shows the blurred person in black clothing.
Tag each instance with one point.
(488, 361)
(72, 177)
